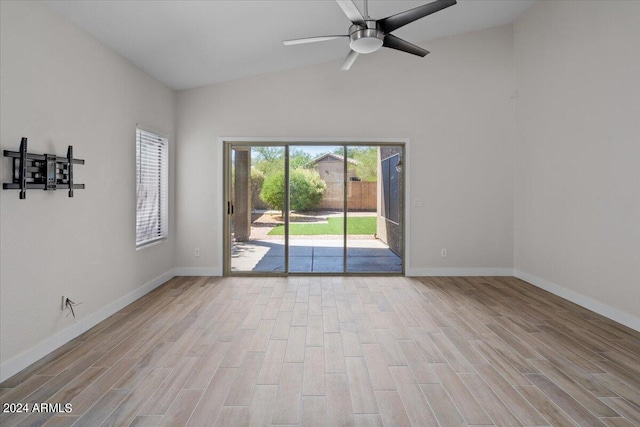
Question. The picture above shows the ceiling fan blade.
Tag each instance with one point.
(401, 19)
(312, 40)
(351, 10)
(397, 43)
(349, 60)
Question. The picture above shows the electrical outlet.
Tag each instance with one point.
(64, 301)
(197, 252)
(443, 252)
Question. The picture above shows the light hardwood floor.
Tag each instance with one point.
(340, 351)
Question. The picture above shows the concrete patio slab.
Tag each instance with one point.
(315, 256)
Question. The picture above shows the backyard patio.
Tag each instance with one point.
(315, 245)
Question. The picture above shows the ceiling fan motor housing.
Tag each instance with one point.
(365, 38)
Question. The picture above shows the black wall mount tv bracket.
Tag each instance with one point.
(42, 171)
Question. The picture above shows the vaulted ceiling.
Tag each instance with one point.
(187, 44)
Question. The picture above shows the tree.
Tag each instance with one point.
(366, 158)
(268, 154)
(299, 158)
(273, 190)
(340, 151)
(269, 160)
(306, 189)
(367, 162)
(257, 180)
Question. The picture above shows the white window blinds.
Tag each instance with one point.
(152, 187)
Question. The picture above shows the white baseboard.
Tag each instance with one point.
(197, 271)
(605, 310)
(416, 272)
(26, 358)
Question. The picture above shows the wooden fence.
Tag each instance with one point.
(361, 196)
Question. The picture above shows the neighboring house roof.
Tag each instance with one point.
(333, 156)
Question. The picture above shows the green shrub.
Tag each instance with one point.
(305, 186)
(273, 190)
(306, 189)
(257, 180)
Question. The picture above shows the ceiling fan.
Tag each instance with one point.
(367, 35)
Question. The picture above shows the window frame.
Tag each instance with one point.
(161, 227)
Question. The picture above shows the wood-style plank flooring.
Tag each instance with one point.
(340, 351)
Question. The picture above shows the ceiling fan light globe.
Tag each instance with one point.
(366, 44)
(365, 40)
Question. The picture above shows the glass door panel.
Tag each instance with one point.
(314, 208)
(257, 207)
(374, 237)
(316, 217)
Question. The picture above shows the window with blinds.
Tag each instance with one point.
(152, 187)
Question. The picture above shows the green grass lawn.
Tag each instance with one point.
(355, 225)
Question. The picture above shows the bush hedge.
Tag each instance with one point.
(305, 187)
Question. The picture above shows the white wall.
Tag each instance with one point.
(60, 87)
(577, 179)
(454, 105)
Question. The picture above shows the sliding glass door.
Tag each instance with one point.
(375, 235)
(251, 244)
(314, 208)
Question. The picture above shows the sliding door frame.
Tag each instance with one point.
(226, 144)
